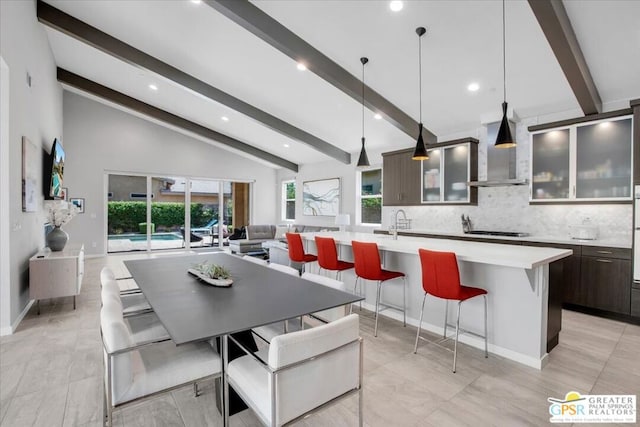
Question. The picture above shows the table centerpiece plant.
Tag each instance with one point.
(213, 274)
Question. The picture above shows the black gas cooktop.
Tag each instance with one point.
(498, 233)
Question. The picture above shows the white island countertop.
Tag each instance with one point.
(613, 242)
(527, 257)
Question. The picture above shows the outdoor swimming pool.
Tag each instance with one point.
(142, 237)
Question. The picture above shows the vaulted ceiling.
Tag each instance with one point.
(307, 116)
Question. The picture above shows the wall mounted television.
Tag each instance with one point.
(53, 170)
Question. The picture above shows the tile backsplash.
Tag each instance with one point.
(508, 209)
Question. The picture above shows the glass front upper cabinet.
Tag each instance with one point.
(431, 184)
(551, 164)
(445, 175)
(583, 162)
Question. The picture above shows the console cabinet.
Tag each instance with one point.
(56, 274)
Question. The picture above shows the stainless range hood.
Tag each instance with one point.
(501, 163)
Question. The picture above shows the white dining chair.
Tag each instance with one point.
(131, 288)
(255, 260)
(284, 268)
(330, 314)
(304, 372)
(267, 332)
(142, 327)
(137, 370)
(132, 304)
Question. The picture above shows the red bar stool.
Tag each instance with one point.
(328, 256)
(367, 263)
(296, 250)
(441, 278)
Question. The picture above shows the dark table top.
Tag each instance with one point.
(192, 310)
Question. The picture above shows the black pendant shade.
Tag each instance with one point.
(363, 160)
(420, 153)
(504, 139)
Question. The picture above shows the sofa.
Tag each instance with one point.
(259, 234)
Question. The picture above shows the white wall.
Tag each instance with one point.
(324, 170)
(100, 138)
(34, 112)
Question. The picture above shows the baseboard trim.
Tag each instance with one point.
(9, 330)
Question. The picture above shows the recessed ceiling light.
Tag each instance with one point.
(377, 116)
(153, 87)
(196, 1)
(396, 5)
(285, 145)
(225, 118)
(301, 66)
(473, 87)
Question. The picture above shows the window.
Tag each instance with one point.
(370, 199)
(288, 200)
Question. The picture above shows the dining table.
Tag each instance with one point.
(192, 310)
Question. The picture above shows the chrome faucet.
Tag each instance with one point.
(395, 222)
(466, 224)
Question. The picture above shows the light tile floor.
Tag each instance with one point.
(51, 375)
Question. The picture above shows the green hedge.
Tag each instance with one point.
(124, 217)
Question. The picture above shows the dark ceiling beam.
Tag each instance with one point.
(556, 26)
(73, 80)
(254, 20)
(79, 30)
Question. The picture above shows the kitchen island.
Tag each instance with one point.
(517, 279)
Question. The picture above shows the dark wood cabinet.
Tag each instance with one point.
(401, 179)
(606, 279)
(402, 183)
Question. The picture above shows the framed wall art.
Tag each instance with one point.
(30, 159)
(321, 197)
(79, 203)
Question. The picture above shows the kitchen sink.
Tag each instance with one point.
(498, 233)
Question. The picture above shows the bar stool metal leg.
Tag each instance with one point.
(446, 315)
(415, 347)
(404, 301)
(486, 351)
(455, 345)
(375, 330)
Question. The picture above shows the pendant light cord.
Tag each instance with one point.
(363, 99)
(504, 56)
(420, 73)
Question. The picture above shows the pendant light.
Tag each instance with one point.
(363, 160)
(420, 152)
(504, 138)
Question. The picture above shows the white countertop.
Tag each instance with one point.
(620, 242)
(527, 257)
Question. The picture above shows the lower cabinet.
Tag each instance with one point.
(635, 301)
(606, 279)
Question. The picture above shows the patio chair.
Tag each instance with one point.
(193, 237)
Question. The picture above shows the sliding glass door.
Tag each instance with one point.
(147, 213)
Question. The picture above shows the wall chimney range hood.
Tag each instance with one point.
(501, 164)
